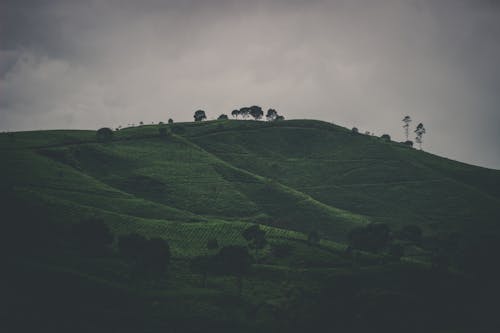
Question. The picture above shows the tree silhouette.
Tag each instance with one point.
(222, 117)
(244, 112)
(170, 121)
(406, 126)
(419, 131)
(256, 112)
(104, 134)
(235, 113)
(271, 114)
(200, 115)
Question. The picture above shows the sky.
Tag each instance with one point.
(89, 64)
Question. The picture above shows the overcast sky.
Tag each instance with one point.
(87, 64)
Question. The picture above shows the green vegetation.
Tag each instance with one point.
(147, 228)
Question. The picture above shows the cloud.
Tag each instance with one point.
(85, 64)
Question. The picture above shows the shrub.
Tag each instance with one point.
(104, 134)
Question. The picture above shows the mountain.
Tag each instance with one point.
(192, 182)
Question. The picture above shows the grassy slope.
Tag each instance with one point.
(297, 175)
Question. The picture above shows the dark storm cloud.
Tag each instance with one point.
(364, 63)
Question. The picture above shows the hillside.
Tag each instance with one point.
(298, 175)
(212, 180)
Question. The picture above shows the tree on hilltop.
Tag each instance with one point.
(406, 126)
(256, 112)
(271, 114)
(419, 131)
(200, 115)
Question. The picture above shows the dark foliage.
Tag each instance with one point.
(256, 238)
(92, 237)
(271, 114)
(170, 121)
(222, 117)
(199, 115)
(355, 130)
(104, 134)
(386, 137)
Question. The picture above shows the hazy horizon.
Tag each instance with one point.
(89, 64)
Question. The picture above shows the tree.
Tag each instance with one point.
(104, 134)
(256, 112)
(406, 126)
(386, 137)
(170, 121)
(233, 260)
(280, 118)
(200, 115)
(313, 237)
(355, 130)
(222, 117)
(420, 131)
(256, 238)
(235, 113)
(244, 112)
(92, 236)
(271, 114)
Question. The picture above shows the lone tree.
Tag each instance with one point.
(419, 131)
(355, 130)
(222, 117)
(233, 260)
(200, 115)
(256, 112)
(104, 134)
(256, 238)
(271, 114)
(406, 126)
(170, 121)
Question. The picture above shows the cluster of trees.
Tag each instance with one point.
(92, 237)
(253, 111)
(379, 238)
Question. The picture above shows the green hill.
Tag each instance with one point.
(211, 180)
(298, 175)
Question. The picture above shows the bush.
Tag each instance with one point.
(386, 137)
(104, 134)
